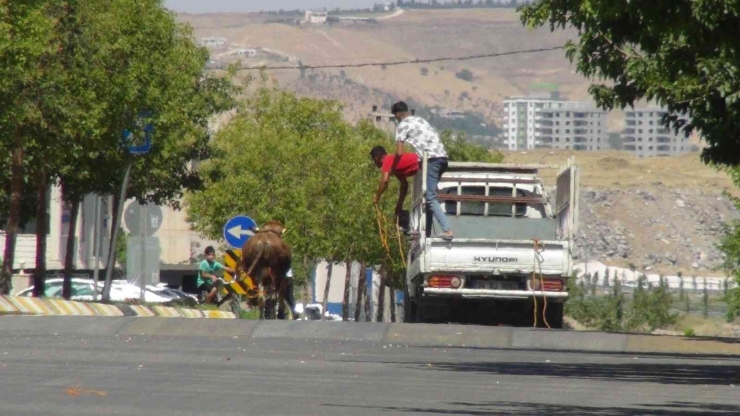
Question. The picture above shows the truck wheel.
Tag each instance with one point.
(554, 315)
(410, 308)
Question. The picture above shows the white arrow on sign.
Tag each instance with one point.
(238, 232)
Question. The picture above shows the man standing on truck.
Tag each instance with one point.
(407, 166)
(418, 133)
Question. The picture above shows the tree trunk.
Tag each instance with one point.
(345, 299)
(114, 220)
(39, 278)
(325, 301)
(11, 231)
(381, 296)
(392, 303)
(69, 256)
(308, 281)
(361, 284)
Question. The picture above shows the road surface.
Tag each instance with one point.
(47, 373)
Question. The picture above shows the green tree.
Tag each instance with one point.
(281, 157)
(730, 245)
(460, 149)
(705, 300)
(605, 282)
(27, 46)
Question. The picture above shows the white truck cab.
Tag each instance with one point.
(511, 253)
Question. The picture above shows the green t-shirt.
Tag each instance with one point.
(210, 268)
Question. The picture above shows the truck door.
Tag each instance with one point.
(566, 201)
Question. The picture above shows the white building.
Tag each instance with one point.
(519, 116)
(174, 234)
(547, 121)
(248, 52)
(213, 42)
(318, 18)
(571, 126)
(645, 135)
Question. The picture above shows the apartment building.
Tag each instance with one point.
(645, 134)
(572, 126)
(518, 118)
(547, 121)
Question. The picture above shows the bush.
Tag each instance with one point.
(648, 310)
(424, 71)
(465, 75)
(689, 332)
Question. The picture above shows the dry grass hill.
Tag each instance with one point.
(410, 35)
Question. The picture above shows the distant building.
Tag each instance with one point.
(316, 18)
(248, 52)
(645, 134)
(452, 114)
(213, 42)
(573, 126)
(547, 121)
(518, 118)
(389, 7)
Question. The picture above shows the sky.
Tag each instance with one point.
(213, 6)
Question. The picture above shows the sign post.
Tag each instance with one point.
(135, 146)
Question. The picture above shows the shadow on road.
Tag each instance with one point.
(683, 373)
(541, 409)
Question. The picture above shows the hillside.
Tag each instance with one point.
(410, 35)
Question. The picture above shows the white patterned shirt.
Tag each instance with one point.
(422, 136)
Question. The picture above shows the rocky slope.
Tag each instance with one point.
(662, 228)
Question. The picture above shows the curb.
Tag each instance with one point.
(21, 305)
(408, 335)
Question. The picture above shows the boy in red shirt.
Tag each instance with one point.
(408, 165)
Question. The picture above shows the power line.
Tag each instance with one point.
(406, 62)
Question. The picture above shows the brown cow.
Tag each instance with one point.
(266, 259)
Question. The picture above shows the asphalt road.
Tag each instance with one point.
(56, 374)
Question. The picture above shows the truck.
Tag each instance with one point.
(511, 255)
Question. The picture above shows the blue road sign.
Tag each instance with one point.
(238, 230)
(142, 147)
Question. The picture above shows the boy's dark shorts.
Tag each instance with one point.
(206, 287)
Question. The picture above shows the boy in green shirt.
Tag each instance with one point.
(208, 274)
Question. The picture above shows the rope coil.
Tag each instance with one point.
(538, 260)
(383, 225)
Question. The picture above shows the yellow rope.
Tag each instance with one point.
(538, 262)
(383, 222)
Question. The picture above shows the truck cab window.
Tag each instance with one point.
(478, 208)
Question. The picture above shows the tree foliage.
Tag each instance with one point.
(74, 75)
(682, 54)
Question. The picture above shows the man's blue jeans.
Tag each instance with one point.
(435, 168)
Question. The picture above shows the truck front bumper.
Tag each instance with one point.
(493, 293)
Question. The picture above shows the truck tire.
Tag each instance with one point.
(410, 308)
(554, 315)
